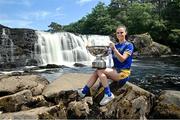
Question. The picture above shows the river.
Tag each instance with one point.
(152, 74)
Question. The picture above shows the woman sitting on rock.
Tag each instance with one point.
(122, 58)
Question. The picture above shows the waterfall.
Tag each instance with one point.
(65, 48)
(12, 50)
(4, 36)
(9, 46)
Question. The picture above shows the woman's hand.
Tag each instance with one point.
(112, 46)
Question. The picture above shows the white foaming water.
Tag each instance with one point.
(8, 43)
(3, 31)
(12, 50)
(9, 72)
(65, 48)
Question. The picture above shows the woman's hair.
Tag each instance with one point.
(122, 26)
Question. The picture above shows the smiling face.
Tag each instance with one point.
(121, 33)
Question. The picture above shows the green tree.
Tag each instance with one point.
(99, 21)
(166, 30)
(117, 6)
(174, 39)
(159, 31)
(77, 27)
(55, 27)
(139, 17)
(171, 14)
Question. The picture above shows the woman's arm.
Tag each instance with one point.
(125, 55)
(121, 57)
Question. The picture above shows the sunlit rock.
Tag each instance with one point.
(13, 84)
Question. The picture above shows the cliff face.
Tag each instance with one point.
(16, 46)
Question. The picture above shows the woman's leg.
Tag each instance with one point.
(103, 76)
(89, 84)
(110, 74)
(92, 79)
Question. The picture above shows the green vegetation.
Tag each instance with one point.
(55, 27)
(159, 18)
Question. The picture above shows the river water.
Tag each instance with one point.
(157, 74)
(152, 74)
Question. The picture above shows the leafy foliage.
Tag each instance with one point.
(174, 38)
(55, 27)
(172, 14)
(139, 17)
(158, 17)
(77, 27)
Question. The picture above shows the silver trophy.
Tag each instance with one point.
(99, 52)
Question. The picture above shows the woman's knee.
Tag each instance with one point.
(99, 72)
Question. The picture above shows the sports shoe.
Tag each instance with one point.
(106, 99)
(80, 93)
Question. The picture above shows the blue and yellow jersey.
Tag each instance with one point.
(125, 47)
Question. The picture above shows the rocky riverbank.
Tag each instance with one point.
(33, 97)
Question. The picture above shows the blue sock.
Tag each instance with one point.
(107, 91)
(85, 89)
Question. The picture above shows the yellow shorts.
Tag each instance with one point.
(124, 74)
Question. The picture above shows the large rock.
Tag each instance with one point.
(14, 102)
(79, 109)
(13, 84)
(131, 102)
(168, 105)
(144, 45)
(53, 112)
(65, 82)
